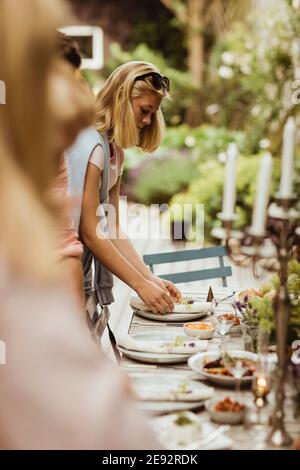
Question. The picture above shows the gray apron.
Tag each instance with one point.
(98, 281)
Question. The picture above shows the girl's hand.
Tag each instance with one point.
(156, 297)
(169, 286)
(174, 291)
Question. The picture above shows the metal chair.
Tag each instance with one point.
(188, 255)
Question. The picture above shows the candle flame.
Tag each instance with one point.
(262, 382)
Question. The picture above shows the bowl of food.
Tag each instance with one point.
(202, 330)
(230, 316)
(244, 296)
(226, 410)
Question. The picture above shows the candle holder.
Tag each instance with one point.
(272, 250)
(260, 389)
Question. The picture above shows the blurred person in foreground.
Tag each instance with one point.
(70, 249)
(57, 390)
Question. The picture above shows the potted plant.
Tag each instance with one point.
(258, 310)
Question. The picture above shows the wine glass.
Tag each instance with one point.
(237, 367)
(224, 326)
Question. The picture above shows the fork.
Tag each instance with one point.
(225, 298)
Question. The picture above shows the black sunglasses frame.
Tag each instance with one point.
(158, 80)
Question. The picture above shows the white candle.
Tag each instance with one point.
(287, 159)
(258, 226)
(229, 194)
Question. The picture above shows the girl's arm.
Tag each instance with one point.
(104, 250)
(121, 241)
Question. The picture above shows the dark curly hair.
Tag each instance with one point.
(68, 49)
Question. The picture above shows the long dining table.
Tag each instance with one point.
(241, 437)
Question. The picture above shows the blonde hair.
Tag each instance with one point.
(114, 113)
(27, 161)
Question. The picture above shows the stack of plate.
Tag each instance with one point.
(181, 313)
(164, 348)
(165, 394)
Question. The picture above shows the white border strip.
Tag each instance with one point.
(97, 61)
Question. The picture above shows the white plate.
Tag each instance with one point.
(162, 428)
(195, 307)
(170, 388)
(196, 364)
(176, 317)
(155, 358)
(165, 407)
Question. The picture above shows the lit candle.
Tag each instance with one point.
(261, 386)
(287, 159)
(259, 216)
(229, 194)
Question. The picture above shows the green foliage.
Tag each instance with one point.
(160, 178)
(207, 189)
(294, 291)
(206, 141)
(260, 311)
(156, 26)
(250, 74)
(293, 286)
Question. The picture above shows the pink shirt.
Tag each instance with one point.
(68, 240)
(116, 162)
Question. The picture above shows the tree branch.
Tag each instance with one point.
(178, 8)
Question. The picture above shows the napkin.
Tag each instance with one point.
(152, 394)
(196, 307)
(222, 442)
(162, 347)
(161, 427)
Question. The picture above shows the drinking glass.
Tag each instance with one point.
(237, 368)
(224, 326)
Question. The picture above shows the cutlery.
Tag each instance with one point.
(225, 298)
(202, 297)
(138, 366)
(206, 440)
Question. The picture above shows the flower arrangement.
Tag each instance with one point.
(258, 309)
(295, 375)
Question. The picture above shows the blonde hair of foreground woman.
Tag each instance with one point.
(41, 109)
(57, 390)
(114, 113)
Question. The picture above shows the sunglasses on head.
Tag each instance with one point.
(158, 81)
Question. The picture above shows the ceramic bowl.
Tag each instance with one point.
(193, 329)
(224, 417)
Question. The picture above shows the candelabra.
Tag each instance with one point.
(273, 250)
